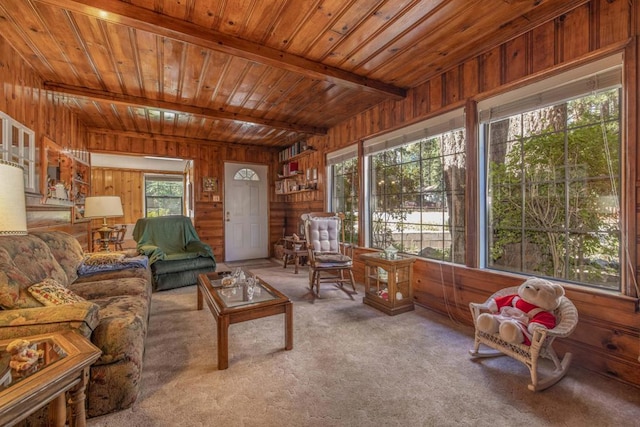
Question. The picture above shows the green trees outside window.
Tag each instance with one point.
(344, 195)
(553, 191)
(164, 195)
(418, 197)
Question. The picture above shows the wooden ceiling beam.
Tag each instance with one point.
(149, 136)
(209, 113)
(123, 13)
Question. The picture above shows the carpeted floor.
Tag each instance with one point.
(351, 365)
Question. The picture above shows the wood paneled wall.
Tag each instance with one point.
(24, 99)
(209, 159)
(607, 340)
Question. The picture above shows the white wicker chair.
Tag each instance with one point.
(327, 251)
(541, 342)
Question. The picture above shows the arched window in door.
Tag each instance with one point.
(246, 174)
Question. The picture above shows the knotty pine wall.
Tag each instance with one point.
(24, 99)
(209, 158)
(607, 339)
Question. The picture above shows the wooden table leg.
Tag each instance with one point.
(199, 296)
(58, 411)
(223, 342)
(288, 326)
(77, 396)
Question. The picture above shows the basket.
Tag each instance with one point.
(278, 249)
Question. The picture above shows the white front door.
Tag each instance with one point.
(246, 211)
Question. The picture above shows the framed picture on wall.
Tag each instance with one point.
(210, 184)
(292, 185)
(279, 187)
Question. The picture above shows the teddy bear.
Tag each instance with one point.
(23, 355)
(515, 317)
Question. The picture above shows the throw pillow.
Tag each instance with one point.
(50, 292)
(104, 258)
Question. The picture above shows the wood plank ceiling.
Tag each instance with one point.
(259, 72)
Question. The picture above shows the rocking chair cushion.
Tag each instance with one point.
(333, 258)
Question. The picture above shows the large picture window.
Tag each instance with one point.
(344, 189)
(553, 183)
(416, 182)
(164, 195)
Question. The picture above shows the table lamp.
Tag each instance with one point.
(13, 212)
(103, 207)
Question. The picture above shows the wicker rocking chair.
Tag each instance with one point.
(541, 342)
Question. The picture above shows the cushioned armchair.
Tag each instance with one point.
(175, 252)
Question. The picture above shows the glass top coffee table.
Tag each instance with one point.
(239, 303)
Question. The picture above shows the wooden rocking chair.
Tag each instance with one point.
(541, 342)
(327, 251)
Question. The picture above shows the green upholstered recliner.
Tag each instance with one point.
(175, 252)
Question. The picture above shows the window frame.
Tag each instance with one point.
(351, 221)
(598, 76)
(168, 178)
(434, 127)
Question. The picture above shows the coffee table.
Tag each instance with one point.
(63, 370)
(234, 304)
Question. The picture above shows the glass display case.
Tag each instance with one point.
(388, 279)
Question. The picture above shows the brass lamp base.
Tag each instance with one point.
(105, 235)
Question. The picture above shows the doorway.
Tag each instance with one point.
(246, 211)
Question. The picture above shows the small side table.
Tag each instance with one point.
(294, 249)
(63, 368)
(388, 282)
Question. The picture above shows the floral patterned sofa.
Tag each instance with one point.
(108, 302)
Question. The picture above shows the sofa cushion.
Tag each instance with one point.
(141, 273)
(122, 328)
(65, 249)
(106, 288)
(50, 292)
(34, 258)
(14, 285)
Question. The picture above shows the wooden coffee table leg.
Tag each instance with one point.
(223, 342)
(199, 293)
(288, 326)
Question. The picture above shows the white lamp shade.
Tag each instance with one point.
(13, 212)
(102, 207)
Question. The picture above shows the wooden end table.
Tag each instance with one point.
(63, 368)
(290, 251)
(388, 282)
(233, 305)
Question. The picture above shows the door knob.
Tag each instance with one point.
(228, 216)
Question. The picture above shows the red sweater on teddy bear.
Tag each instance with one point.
(529, 313)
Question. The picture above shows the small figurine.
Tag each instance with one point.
(23, 355)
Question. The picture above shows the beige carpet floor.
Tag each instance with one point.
(351, 365)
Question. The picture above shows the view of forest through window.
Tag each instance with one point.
(553, 191)
(163, 195)
(418, 197)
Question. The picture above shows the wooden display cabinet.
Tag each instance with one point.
(65, 178)
(388, 282)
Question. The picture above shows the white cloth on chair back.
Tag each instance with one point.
(324, 234)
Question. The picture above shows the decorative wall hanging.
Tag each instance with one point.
(210, 184)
